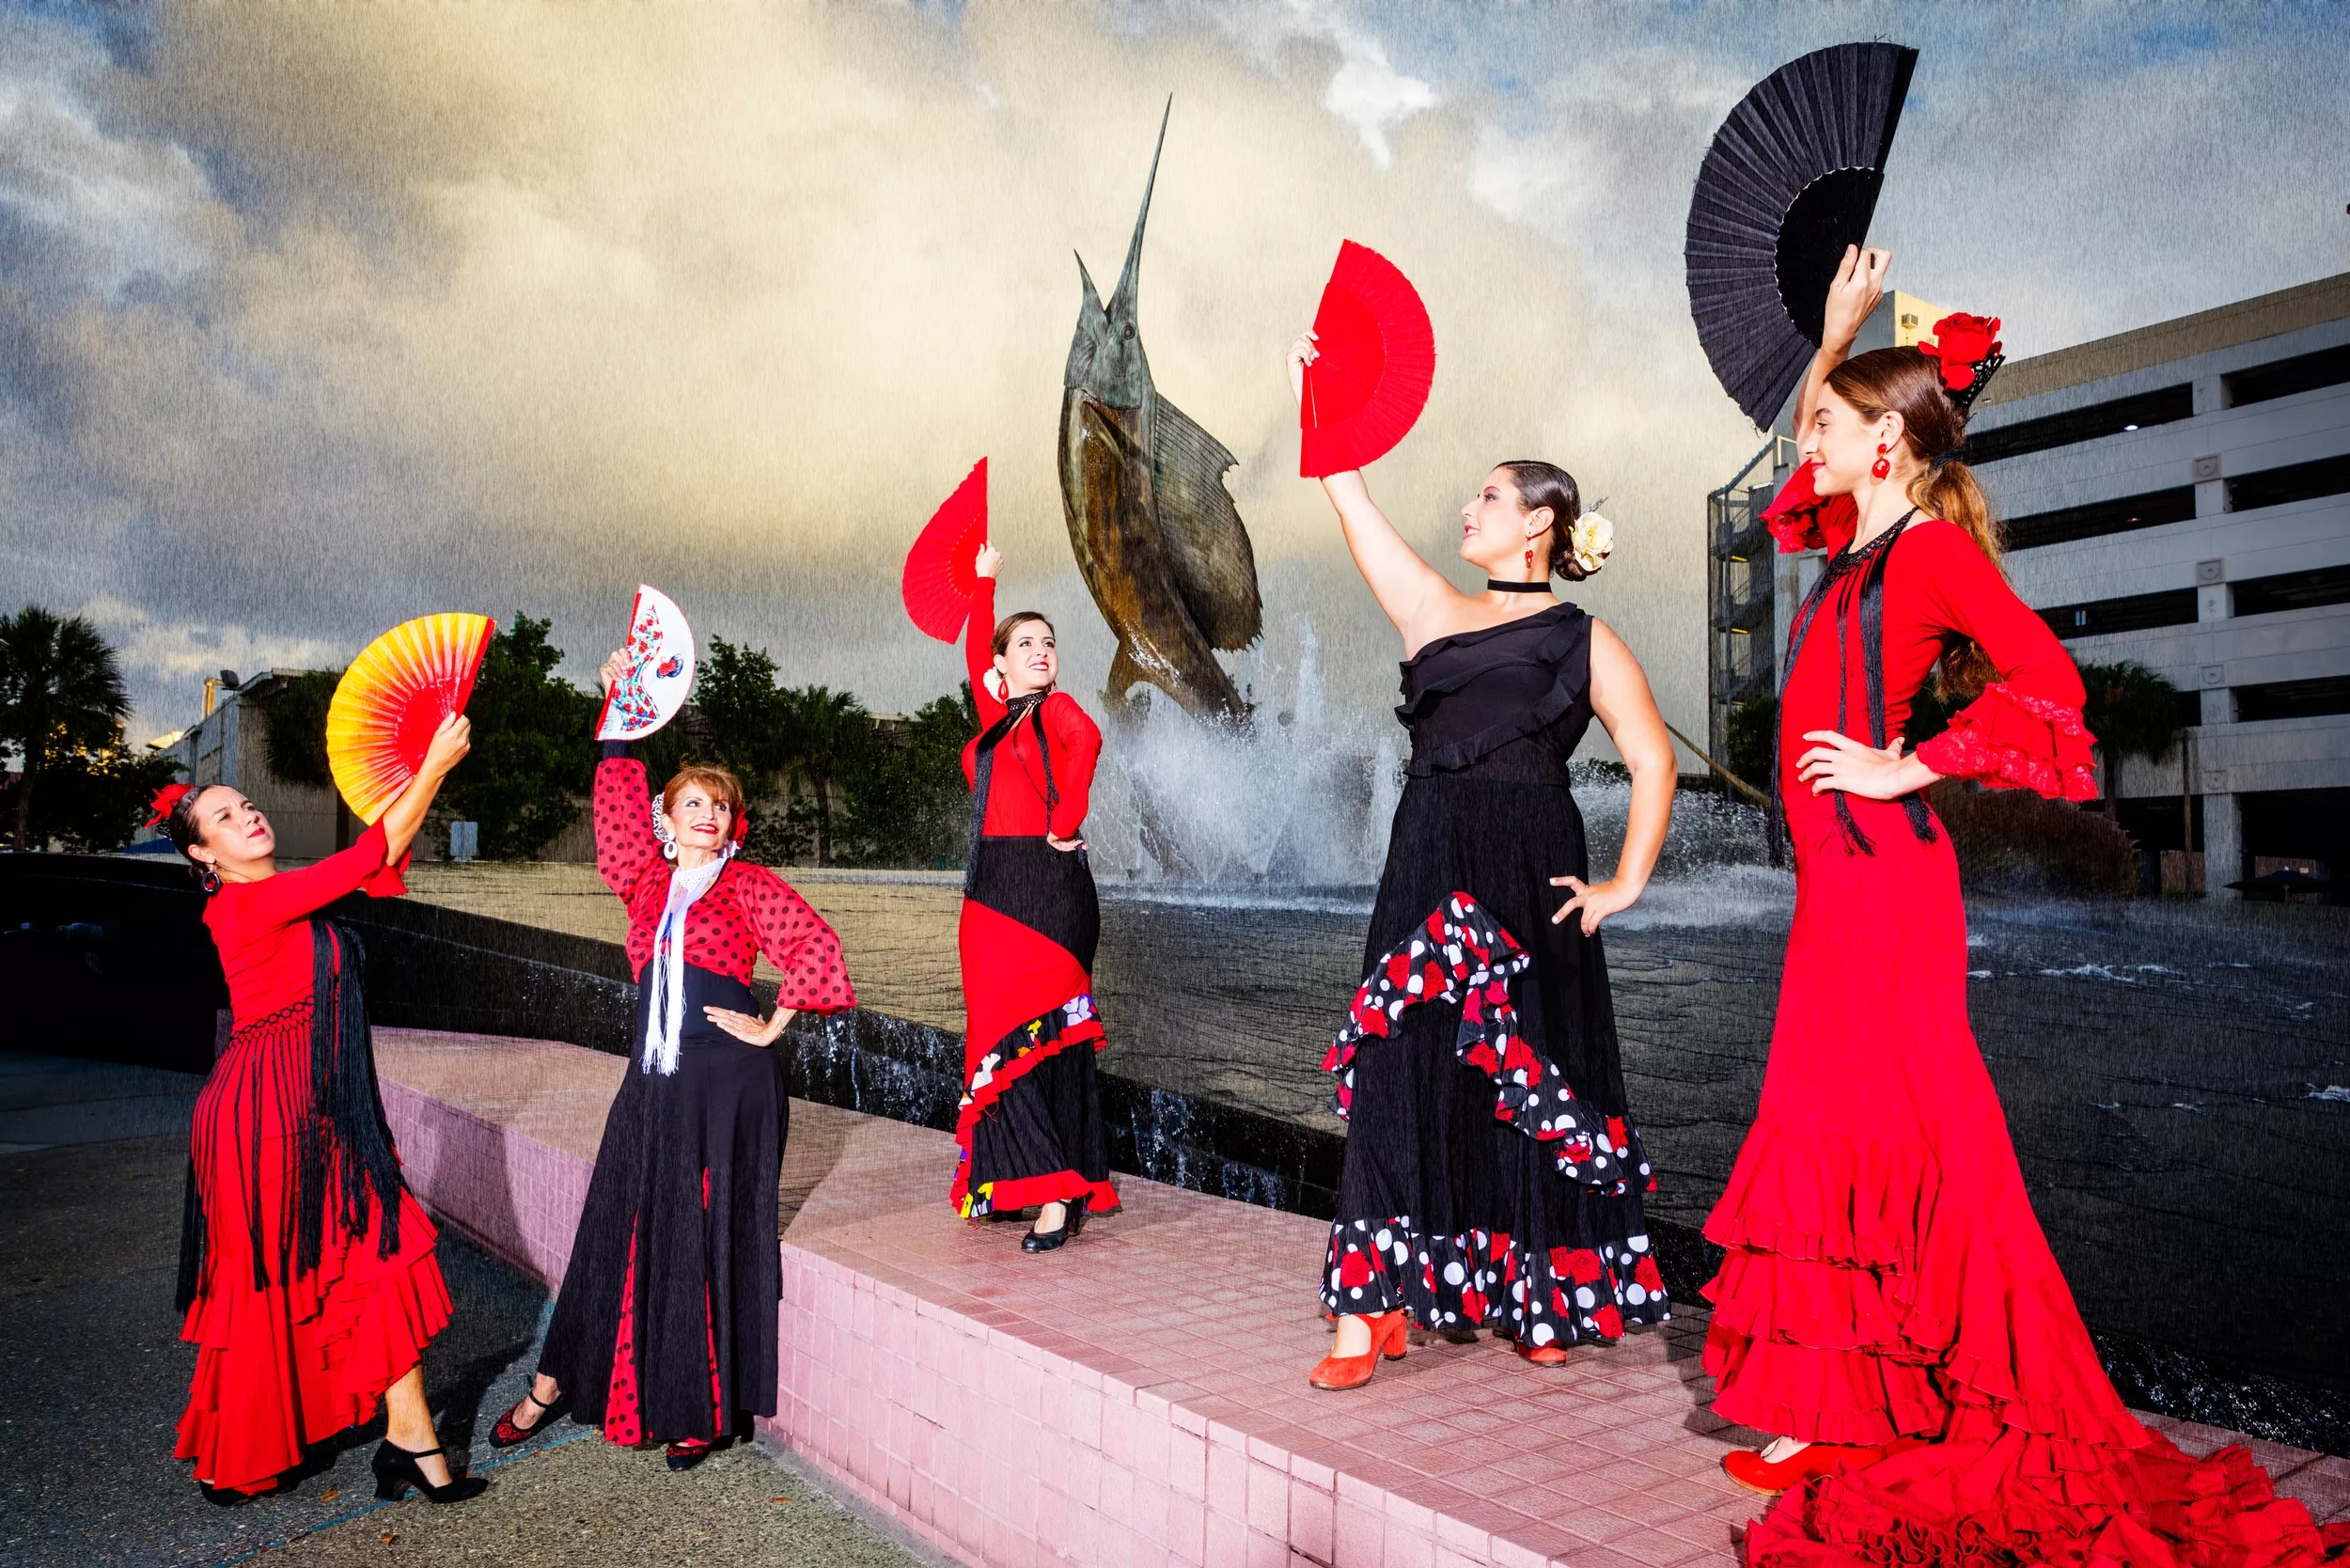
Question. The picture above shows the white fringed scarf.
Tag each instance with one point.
(666, 1017)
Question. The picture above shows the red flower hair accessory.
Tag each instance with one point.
(1968, 350)
(158, 809)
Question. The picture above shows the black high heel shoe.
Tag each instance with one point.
(1073, 1219)
(687, 1452)
(396, 1470)
(505, 1433)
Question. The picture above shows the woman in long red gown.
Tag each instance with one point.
(1031, 1120)
(313, 1287)
(1888, 1304)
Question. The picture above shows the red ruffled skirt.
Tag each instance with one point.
(285, 1365)
(1886, 1276)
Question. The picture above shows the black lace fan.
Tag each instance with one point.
(1791, 179)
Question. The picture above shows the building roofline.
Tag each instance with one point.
(2205, 332)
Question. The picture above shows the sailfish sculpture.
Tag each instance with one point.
(1156, 535)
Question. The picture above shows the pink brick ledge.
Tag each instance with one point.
(1139, 1397)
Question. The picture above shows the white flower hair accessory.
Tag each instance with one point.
(1591, 540)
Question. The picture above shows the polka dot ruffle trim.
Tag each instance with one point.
(1460, 954)
(1482, 1279)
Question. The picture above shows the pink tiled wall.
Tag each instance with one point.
(1116, 1404)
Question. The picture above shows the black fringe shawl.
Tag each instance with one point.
(983, 773)
(1870, 562)
(344, 1164)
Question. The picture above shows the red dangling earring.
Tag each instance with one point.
(1529, 557)
(1883, 465)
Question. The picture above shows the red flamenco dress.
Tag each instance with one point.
(314, 1287)
(1030, 1124)
(664, 1329)
(1886, 1278)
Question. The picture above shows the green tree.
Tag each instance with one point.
(2131, 711)
(744, 718)
(295, 709)
(533, 745)
(907, 805)
(828, 735)
(95, 801)
(61, 695)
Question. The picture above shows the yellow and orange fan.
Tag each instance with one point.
(393, 698)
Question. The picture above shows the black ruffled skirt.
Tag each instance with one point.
(665, 1326)
(1492, 1174)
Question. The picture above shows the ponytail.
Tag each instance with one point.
(1950, 491)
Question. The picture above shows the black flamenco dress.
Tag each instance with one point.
(665, 1326)
(1030, 1124)
(1492, 1175)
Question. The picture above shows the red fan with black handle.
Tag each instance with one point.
(1378, 357)
(940, 578)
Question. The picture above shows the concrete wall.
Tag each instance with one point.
(2220, 651)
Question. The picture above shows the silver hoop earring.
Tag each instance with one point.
(661, 831)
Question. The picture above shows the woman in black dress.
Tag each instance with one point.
(1492, 1172)
(665, 1326)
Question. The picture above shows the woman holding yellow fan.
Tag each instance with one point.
(308, 1274)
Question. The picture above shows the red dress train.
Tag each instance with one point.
(297, 1354)
(1884, 1274)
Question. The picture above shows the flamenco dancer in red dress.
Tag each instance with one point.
(1888, 1304)
(1491, 1174)
(665, 1330)
(1030, 1120)
(308, 1276)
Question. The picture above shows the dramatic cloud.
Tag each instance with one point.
(307, 327)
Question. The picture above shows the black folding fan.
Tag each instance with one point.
(1791, 179)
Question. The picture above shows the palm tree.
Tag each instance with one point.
(2131, 711)
(823, 729)
(60, 692)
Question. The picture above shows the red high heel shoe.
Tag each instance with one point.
(1750, 1469)
(1352, 1372)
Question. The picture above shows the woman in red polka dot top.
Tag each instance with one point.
(666, 1329)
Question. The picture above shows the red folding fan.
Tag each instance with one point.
(393, 698)
(1378, 356)
(939, 578)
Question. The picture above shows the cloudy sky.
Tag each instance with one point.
(316, 317)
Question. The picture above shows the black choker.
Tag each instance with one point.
(1494, 585)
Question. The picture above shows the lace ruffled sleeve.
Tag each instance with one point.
(2025, 732)
(1800, 518)
(2008, 739)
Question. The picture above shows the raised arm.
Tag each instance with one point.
(625, 841)
(405, 815)
(1404, 585)
(1860, 285)
(978, 635)
(296, 895)
(1622, 700)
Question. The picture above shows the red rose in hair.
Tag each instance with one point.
(1960, 343)
(158, 809)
